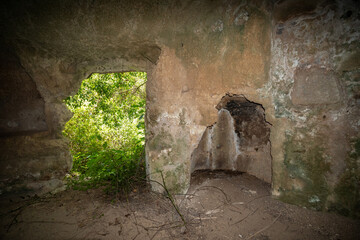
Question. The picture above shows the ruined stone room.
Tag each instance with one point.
(180, 119)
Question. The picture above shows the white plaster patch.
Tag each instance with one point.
(218, 26)
(165, 151)
(295, 63)
(242, 17)
(236, 140)
(314, 199)
(165, 116)
(335, 116)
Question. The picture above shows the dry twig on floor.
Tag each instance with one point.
(250, 213)
(172, 199)
(263, 229)
(31, 201)
(169, 196)
(222, 191)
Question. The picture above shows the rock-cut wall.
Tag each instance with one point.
(314, 81)
(291, 69)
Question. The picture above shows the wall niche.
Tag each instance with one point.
(238, 141)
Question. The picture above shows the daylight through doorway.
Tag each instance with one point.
(107, 130)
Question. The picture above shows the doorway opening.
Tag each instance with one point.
(239, 141)
(107, 131)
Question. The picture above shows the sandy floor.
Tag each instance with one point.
(217, 206)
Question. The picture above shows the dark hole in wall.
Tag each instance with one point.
(249, 122)
(238, 141)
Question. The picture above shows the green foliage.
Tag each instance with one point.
(107, 131)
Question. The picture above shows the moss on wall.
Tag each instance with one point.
(169, 149)
(347, 191)
(172, 180)
(304, 173)
(161, 141)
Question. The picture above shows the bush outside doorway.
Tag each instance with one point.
(107, 130)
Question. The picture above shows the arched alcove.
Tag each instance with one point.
(238, 141)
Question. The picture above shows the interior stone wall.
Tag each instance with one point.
(25, 109)
(298, 59)
(314, 83)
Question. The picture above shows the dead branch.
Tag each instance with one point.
(222, 191)
(169, 196)
(263, 229)
(14, 220)
(172, 199)
(249, 214)
(19, 210)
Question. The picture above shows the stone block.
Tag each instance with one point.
(315, 86)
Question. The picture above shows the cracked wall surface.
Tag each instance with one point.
(299, 60)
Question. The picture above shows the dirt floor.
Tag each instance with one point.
(218, 206)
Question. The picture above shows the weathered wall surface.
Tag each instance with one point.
(314, 83)
(224, 47)
(298, 59)
(194, 52)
